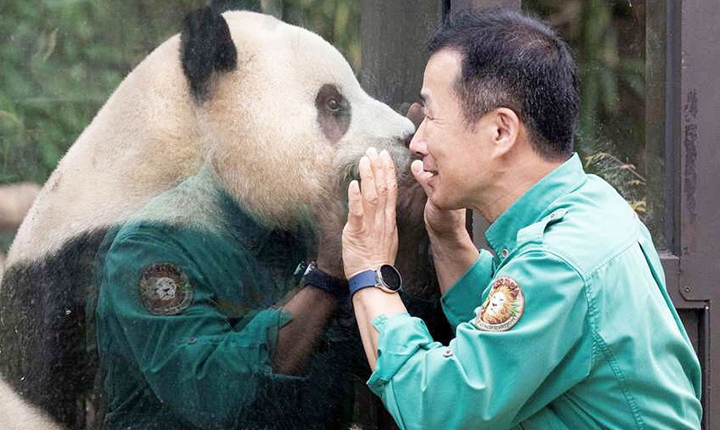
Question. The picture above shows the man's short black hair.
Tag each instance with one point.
(513, 60)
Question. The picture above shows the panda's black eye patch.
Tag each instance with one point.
(333, 112)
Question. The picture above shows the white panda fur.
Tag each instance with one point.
(143, 140)
(15, 414)
(151, 134)
(146, 137)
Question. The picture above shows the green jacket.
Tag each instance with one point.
(188, 323)
(568, 326)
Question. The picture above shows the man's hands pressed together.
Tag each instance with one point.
(370, 236)
(370, 240)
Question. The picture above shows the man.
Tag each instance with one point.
(567, 323)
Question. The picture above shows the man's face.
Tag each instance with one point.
(453, 152)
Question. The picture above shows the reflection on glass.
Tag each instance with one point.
(614, 139)
(190, 306)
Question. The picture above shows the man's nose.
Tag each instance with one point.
(417, 143)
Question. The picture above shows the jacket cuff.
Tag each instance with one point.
(401, 336)
(461, 300)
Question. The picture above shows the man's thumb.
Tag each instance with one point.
(421, 176)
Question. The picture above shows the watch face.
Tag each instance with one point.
(391, 277)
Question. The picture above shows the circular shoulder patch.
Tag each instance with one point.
(503, 306)
(165, 289)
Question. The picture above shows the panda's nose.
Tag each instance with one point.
(407, 139)
(415, 114)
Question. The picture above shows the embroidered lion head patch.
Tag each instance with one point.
(165, 289)
(503, 306)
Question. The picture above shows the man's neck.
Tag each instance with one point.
(512, 182)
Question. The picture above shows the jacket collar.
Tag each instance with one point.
(534, 204)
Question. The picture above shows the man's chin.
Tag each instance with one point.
(439, 202)
(445, 204)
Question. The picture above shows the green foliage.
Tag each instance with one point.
(60, 62)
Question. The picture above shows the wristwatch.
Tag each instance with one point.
(321, 280)
(385, 277)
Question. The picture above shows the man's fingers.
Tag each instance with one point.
(379, 174)
(421, 175)
(390, 177)
(355, 204)
(368, 190)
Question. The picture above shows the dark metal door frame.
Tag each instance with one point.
(693, 134)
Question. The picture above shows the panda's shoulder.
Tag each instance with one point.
(191, 202)
(186, 211)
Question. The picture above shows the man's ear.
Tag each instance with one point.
(506, 128)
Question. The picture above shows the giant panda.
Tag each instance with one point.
(240, 93)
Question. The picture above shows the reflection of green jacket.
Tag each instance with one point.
(595, 344)
(187, 326)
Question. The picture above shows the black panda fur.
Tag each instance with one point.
(206, 47)
(47, 345)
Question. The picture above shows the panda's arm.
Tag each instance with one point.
(196, 360)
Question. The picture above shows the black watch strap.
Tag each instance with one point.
(321, 280)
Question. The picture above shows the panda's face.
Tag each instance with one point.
(288, 125)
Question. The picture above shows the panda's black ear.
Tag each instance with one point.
(206, 47)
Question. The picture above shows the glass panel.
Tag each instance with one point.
(621, 63)
(60, 62)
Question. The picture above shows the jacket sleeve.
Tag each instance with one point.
(196, 361)
(460, 301)
(489, 379)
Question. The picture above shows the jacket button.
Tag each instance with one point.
(192, 340)
(447, 353)
(504, 253)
